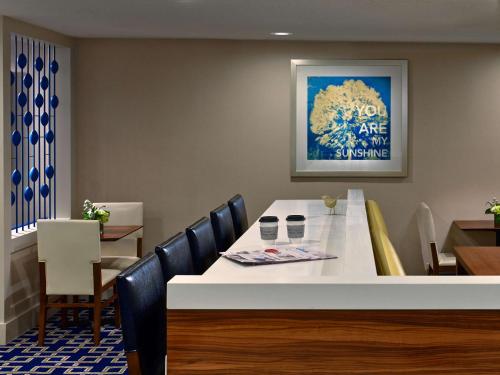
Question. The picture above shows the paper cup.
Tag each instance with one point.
(269, 229)
(295, 226)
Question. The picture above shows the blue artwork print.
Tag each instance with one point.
(348, 118)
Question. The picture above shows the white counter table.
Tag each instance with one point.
(321, 316)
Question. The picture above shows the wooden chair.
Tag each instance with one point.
(69, 258)
(436, 262)
(125, 252)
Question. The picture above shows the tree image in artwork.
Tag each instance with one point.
(349, 118)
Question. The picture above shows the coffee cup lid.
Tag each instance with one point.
(269, 219)
(295, 218)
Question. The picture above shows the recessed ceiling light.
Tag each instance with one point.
(281, 33)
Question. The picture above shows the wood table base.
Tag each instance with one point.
(244, 342)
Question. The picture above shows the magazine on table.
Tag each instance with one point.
(278, 254)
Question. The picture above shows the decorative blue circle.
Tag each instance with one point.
(28, 80)
(16, 138)
(22, 60)
(12, 198)
(49, 136)
(54, 101)
(54, 66)
(44, 190)
(44, 118)
(16, 177)
(33, 174)
(12, 118)
(34, 137)
(22, 99)
(38, 63)
(12, 78)
(27, 118)
(39, 100)
(44, 83)
(49, 171)
(28, 193)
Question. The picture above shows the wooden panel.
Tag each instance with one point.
(241, 342)
(117, 232)
(479, 261)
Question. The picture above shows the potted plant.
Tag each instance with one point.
(92, 212)
(494, 209)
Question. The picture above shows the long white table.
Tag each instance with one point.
(350, 281)
(345, 236)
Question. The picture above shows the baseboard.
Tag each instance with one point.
(19, 324)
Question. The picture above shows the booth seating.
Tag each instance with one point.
(386, 257)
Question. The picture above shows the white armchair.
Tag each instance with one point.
(123, 253)
(69, 258)
(435, 261)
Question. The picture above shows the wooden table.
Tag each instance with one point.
(479, 226)
(478, 261)
(117, 232)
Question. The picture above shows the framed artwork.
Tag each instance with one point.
(349, 118)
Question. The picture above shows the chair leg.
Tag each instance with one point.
(435, 271)
(91, 309)
(76, 319)
(42, 316)
(117, 306)
(97, 319)
(64, 313)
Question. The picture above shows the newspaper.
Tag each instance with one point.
(278, 254)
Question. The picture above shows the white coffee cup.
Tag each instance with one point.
(269, 229)
(295, 226)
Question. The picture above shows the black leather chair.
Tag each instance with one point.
(175, 256)
(141, 294)
(222, 224)
(239, 213)
(202, 244)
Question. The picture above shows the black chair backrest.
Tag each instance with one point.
(202, 244)
(141, 293)
(239, 213)
(222, 224)
(175, 256)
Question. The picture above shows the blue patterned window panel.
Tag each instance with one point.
(34, 105)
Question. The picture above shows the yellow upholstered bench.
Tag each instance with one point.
(386, 257)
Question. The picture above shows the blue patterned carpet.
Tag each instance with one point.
(66, 351)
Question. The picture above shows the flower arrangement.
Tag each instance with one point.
(92, 212)
(493, 207)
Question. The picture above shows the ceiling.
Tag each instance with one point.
(335, 20)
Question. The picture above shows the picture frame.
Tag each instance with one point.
(349, 118)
